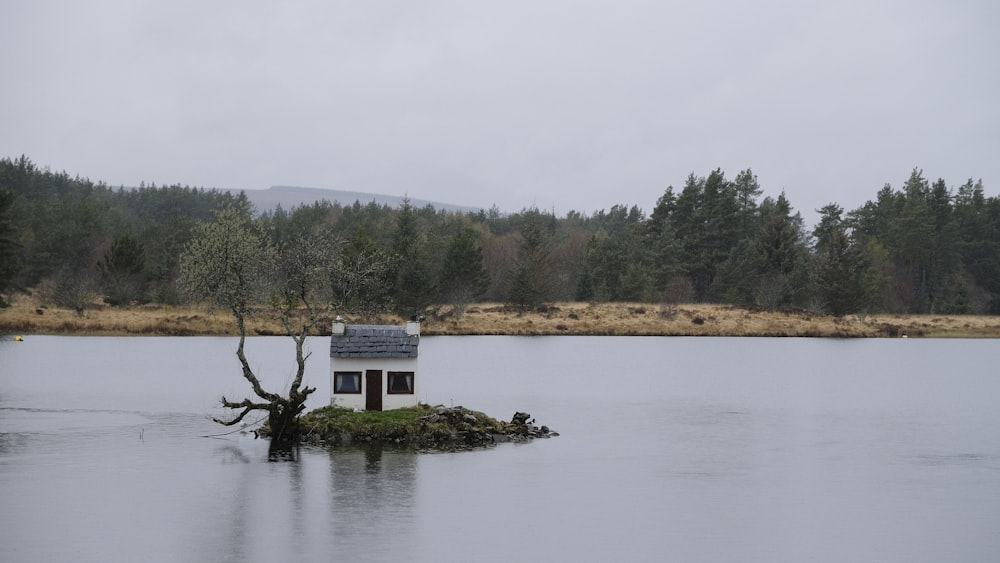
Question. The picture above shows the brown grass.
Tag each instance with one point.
(701, 320)
(28, 315)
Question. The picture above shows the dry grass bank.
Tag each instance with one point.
(703, 320)
(28, 315)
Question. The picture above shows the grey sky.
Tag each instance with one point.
(560, 104)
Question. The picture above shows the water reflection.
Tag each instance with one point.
(231, 453)
(358, 502)
(373, 499)
(234, 516)
(280, 451)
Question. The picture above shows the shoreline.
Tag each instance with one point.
(27, 316)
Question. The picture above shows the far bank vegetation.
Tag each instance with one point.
(714, 256)
(28, 316)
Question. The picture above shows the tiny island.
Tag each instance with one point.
(374, 383)
(374, 364)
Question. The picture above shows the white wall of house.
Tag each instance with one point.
(389, 400)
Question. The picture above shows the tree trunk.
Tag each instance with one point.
(283, 412)
(284, 424)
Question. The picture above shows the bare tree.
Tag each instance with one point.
(361, 282)
(230, 262)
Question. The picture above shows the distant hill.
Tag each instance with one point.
(292, 196)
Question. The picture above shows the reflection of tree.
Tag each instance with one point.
(298, 497)
(230, 453)
(237, 512)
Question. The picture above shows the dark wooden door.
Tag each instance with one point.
(373, 390)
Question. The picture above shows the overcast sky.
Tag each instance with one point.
(559, 104)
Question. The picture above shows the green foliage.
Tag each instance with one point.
(232, 263)
(64, 224)
(366, 425)
(304, 265)
(122, 270)
(875, 291)
(636, 283)
(415, 287)
(709, 218)
(838, 271)
(463, 276)
(585, 287)
(529, 284)
(618, 261)
(420, 426)
(607, 260)
(363, 283)
(922, 248)
(70, 289)
(10, 261)
(830, 220)
(228, 262)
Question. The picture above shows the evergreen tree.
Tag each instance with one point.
(529, 283)
(9, 259)
(585, 287)
(607, 259)
(947, 284)
(746, 190)
(915, 235)
(665, 248)
(976, 244)
(463, 276)
(917, 249)
(122, 271)
(838, 278)
(830, 220)
(709, 224)
(771, 269)
(874, 277)
(636, 283)
(781, 240)
(618, 256)
(414, 284)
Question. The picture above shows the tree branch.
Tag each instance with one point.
(246, 404)
(247, 371)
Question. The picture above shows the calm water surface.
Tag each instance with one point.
(672, 449)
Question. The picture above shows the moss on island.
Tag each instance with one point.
(421, 427)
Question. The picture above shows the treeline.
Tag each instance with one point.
(923, 248)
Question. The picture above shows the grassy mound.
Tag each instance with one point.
(421, 427)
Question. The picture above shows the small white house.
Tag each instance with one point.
(374, 367)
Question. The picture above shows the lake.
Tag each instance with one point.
(671, 449)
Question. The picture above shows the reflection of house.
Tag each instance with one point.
(374, 367)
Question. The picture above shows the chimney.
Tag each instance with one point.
(413, 328)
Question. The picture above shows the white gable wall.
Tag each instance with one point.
(389, 402)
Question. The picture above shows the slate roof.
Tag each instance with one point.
(374, 341)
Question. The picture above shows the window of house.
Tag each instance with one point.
(400, 382)
(347, 382)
